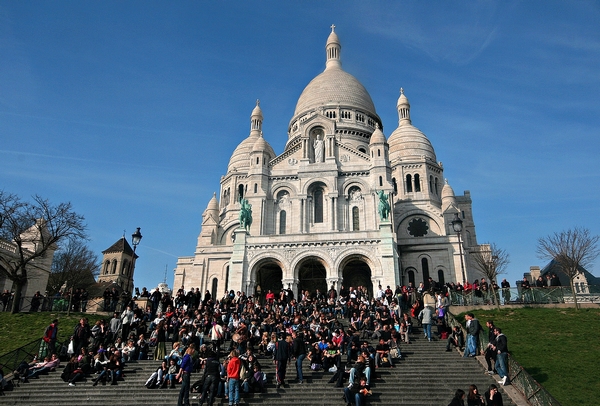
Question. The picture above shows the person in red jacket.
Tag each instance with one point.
(233, 377)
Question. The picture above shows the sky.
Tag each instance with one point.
(130, 110)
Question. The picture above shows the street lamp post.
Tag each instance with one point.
(135, 240)
(457, 224)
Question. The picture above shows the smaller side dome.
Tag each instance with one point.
(239, 160)
(213, 204)
(448, 196)
(261, 145)
(212, 209)
(377, 137)
(407, 141)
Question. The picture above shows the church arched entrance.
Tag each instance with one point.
(268, 277)
(357, 272)
(312, 276)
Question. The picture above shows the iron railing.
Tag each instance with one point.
(520, 379)
(61, 305)
(27, 353)
(520, 296)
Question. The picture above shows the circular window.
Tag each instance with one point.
(417, 227)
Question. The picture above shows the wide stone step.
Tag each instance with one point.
(426, 375)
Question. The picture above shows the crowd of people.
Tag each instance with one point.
(227, 339)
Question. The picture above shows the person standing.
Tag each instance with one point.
(81, 335)
(426, 317)
(505, 285)
(234, 367)
(126, 321)
(114, 326)
(212, 370)
(490, 351)
(473, 328)
(50, 336)
(502, 356)
(299, 353)
(183, 376)
(282, 355)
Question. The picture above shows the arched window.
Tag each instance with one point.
(378, 152)
(411, 277)
(318, 202)
(124, 267)
(380, 181)
(395, 185)
(441, 278)
(430, 184)
(106, 266)
(282, 221)
(408, 183)
(425, 269)
(255, 187)
(240, 192)
(417, 183)
(257, 160)
(114, 267)
(436, 186)
(355, 220)
(215, 285)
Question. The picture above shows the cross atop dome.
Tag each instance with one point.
(333, 49)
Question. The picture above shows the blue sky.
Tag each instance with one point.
(130, 110)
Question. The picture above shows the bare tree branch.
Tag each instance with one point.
(75, 265)
(572, 250)
(30, 233)
(490, 262)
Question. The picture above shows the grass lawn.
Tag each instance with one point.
(560, 348)
(19, 329)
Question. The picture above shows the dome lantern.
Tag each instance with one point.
(403, 107)
(333, 49)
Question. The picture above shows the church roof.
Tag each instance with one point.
(334, 87)
(120, 246)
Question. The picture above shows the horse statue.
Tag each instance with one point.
(383, 206)
(245, 214)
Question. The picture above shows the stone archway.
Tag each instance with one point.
(269, 276)
(356, 272)
(312, 275)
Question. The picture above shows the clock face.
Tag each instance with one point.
(417, 227)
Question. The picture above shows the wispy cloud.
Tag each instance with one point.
(453, 32)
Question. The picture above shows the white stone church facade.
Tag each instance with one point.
(314, 206)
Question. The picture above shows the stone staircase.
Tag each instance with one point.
(426, 375)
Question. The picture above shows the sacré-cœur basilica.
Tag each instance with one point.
(314, 216)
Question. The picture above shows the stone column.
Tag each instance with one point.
(238, 266)
(390, 272)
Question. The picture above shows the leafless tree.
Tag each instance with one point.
(572, 250)
(74, 265)
(32, 231)
(491, 261)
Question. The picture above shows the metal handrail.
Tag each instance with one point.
(520, 296)
(520, 379)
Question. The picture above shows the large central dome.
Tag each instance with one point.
(334, 87)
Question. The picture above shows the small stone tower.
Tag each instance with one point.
(118, 264)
